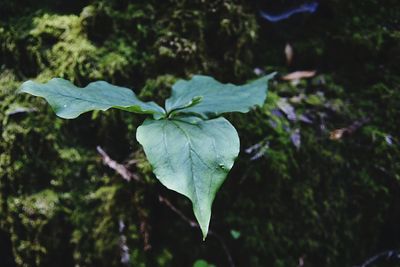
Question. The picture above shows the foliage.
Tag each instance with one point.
(189, 155)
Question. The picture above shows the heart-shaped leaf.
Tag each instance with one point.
(191, 157)
(216, 97)
(191, 152)
(69, 101)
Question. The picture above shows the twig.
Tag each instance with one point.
(388, 255)
(224, 247)
(144, 229)
(178, 212)
(119, 168)
(128, 175)
(193, 224)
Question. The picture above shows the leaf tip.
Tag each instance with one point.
(204, 226)
(204, 232)
(24, 88)
(272, 74)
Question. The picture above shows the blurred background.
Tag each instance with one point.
(317, 181)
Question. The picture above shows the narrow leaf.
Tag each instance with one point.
(216, 97)
(191, 157)
(69, 101)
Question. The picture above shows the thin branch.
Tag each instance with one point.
(193, 224)
(119, 168)
(144, 229)
(178, 212)
(128, 175)
(224, 247)
(388, 255)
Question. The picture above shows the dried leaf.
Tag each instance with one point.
(288, 109)
(389, 139)
(339, 133)
(288, 53)
(305, 119)
(19, 110)
(258, 150)
(297, 75)
(295, 138)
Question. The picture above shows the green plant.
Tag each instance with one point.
(190, 146)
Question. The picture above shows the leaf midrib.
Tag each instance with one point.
(87, 100)
(191, 164)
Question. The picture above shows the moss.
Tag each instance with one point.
(31, 218)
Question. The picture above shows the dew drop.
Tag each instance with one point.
(65, 106)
